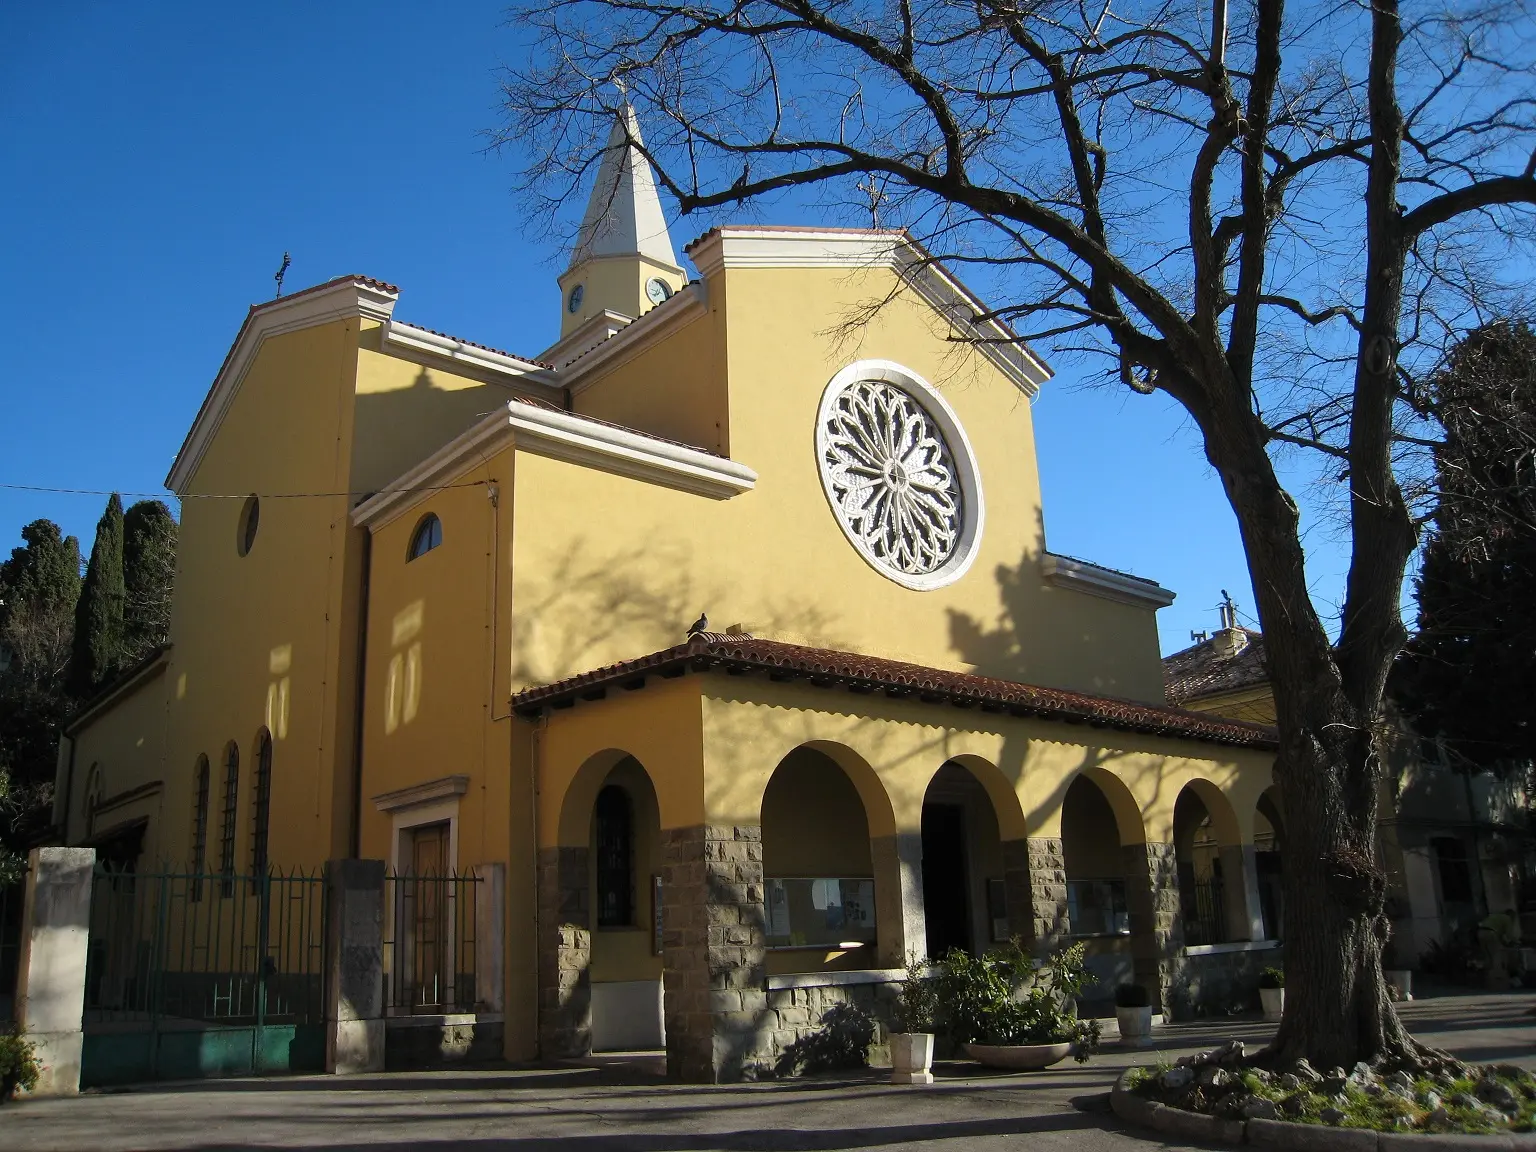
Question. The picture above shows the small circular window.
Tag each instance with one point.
(898, 473)
(428, 535)
(250, 520)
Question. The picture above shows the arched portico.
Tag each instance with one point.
(1268, 855)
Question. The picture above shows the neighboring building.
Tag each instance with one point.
(1455, 844)
(908, 726)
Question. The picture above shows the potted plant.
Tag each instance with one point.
(1133, 1012)
(1007, 1012)
(1272, 993)
(18, 1064)
(912, 1028)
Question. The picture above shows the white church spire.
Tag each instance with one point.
(623, 261)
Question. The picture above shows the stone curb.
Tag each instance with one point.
(1291, 1137)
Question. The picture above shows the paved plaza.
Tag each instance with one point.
(620, 1105)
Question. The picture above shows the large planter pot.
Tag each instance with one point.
(1273, 1000)
(1135, 1026)
(911, 1058)
(1018, 1057)
(1402, 978)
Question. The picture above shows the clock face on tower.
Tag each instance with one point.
(573, 305)
(657, 290)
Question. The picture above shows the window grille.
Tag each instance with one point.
(261, 794)
(227, 818)
(615, 859)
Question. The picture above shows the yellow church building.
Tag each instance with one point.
(436, 605)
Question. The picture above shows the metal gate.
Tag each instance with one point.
(194, 975)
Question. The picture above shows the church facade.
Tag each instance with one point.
(408, 630)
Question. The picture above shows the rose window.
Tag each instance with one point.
(891, 477)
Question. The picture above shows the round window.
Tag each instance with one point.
(898, 473)
(250, 520)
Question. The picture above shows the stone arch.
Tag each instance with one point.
(1218, 808)
(1129, 822)
(879, 810)
(1006, 805)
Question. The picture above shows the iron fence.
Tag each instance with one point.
(1205, 920)
(172, 946)
(429, 950)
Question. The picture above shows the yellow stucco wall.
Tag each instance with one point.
(126, 743)
(262, 639)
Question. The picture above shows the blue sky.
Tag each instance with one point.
(157, 160)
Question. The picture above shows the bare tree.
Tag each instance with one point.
(1277, 224)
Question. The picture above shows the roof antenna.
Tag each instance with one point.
(1228, 611)
(281, 272)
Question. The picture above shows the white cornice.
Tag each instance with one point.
(689, 304)
(443, 788)
(585, 336)
(1090, 579)
(348, 298)
(501, 364)
(561, 436)
(727, 248)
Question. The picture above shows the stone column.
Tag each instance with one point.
(565, 953)
(901, 927)
(1152, 899)
(1046, 868)
(490, 935)
(50, 975)
(714, 953)
(354, 1010)
(1240, 892)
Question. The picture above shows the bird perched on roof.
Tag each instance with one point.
(699, 625)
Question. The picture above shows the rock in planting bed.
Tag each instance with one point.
(1220, 1096)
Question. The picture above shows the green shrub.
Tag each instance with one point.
(842, 1041)
(18, 1063)
(917, 1006)
(1002, 998)
(1272, 978)
(1132, 996)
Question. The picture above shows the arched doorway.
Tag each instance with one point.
(1098, 823)
(818, 869)
(1268, 849)
(625, 963)
(964, 897)
(1213, 892)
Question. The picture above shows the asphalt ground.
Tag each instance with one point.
(618, 1104)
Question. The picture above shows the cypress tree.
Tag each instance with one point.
(149, 573)
(98, 648)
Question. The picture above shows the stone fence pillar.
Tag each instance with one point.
(1152, 901)
(354, 1009)
(50, 977)
(490, 932)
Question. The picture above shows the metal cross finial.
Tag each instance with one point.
(874, 191)
(281, 272)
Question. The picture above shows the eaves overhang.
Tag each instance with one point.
(711, 652)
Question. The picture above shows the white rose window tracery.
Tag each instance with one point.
(892, 478)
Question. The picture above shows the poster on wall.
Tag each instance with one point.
(778, 909)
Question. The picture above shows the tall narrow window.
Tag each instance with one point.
(428, 535)
(615, 858)
(199, 856)
(227, 818)
(261, 814)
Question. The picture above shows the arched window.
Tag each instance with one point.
(197, 860)
(261, 813)
(227, 818)
(428, 535)
(250, 520)
(95, 792)
(615, 841)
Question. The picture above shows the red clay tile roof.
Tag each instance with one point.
(1204, 670)
(482, 347)
(711, 651)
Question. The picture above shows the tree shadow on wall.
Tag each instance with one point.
(842, 1042)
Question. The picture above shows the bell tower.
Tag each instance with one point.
(623, 261)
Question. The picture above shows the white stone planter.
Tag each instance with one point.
(911, 1058)
(1403, 978)
(1273, 1000)
(1135, 1026)
(1018, 1057)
